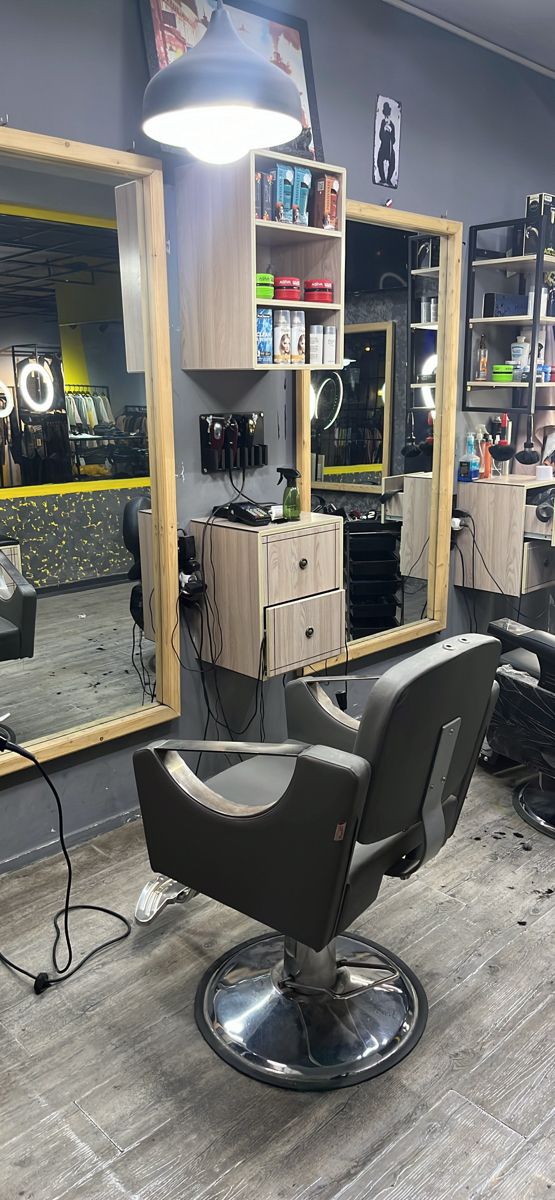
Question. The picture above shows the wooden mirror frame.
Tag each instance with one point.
(147, 172)
(448, 332)
(387, 327)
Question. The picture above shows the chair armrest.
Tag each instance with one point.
(312, 715)
(272, 749)
(543, 646)
(284, 863)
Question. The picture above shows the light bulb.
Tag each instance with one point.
(36, 368)
(221, 133)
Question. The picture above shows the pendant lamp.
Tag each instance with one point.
(221, 99)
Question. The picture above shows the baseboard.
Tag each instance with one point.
(76, 838)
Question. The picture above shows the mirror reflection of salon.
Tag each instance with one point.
(73, 453)
(372, 427)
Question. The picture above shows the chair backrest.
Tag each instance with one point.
(429, 709)
(522, 726)
(18, 605)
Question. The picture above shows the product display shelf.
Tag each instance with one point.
(517, 273)
(515, 263)
(293, 304)
(222, 246)
(423, 283)
(526, 320)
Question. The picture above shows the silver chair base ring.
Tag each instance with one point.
(536, 807)
(311, 1039)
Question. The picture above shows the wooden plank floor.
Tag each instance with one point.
(82, 664)
(108, 1092)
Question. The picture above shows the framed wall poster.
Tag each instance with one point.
(387, 142)
(171, 27)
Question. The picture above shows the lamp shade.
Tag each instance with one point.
(221, 99)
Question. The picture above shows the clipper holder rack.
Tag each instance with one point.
(231, 441)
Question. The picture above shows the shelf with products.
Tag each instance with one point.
(423, 285)
(494, 325)
(223, 245)
(516, 263)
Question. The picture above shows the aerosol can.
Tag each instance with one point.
(291, 495)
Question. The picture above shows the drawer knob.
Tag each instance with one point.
(303, 563)
(309, 632)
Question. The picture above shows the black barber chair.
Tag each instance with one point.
(130, 532)
(300, 837)
(18, 610)
(522, 727)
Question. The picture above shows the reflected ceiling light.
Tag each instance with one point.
(45, 378)
(221, 99)
(429, 367)
(6, 400)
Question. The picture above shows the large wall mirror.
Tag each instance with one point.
(375, 441)
(88, 571)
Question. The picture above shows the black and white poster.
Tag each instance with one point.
(387, 138)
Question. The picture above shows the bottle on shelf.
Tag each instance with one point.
(484, 443)
(469, 465)
(482, 366)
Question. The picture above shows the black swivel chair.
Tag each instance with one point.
(18, 610)
(130, 532)
(300, 837)
(522, 727)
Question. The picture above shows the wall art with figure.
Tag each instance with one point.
(387, 140)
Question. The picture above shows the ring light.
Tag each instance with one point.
(36, 368)
(5, 394)
(315, 396)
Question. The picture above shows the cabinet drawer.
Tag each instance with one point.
(304, 631)
(532, 525)
(302, 564)
(538, 566)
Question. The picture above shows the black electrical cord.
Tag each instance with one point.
(495, 581)
(465, 597)
(43, 980)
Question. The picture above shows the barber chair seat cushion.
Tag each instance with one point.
(9, 640)
(255, 782)
(522, 660)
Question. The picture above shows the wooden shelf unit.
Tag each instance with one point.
(221, 248)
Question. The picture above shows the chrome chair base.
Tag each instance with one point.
(536, 807)
(157, 894)
(297, 1028)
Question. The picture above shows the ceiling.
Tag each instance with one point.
(524, 29)
(36, 255)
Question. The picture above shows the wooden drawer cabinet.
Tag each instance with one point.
(302, 564)
(304, 631)
(276, 591)
(538, 566)
(516, 554)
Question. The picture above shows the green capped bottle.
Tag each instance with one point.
(291, 495)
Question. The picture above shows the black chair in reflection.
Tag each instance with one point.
(18, 610)
(522, 727)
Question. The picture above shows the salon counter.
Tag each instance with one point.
(70, 532)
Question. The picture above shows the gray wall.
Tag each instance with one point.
(476, 136)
